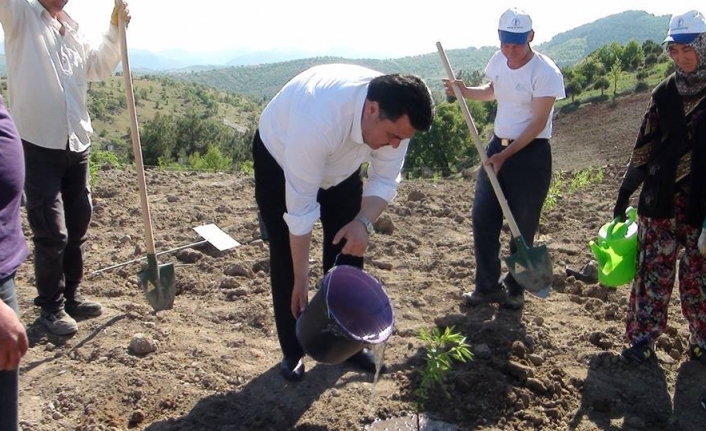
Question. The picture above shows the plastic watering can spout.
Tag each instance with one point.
(600, 254)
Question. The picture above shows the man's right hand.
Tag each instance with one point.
(300, 298)
(13, 339)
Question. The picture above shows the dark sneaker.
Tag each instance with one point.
(78, 306)
(639, 353)
(514, 301)
(292, 369)
(703, 403)
(58, 322)
(478, 297)
(365, 360)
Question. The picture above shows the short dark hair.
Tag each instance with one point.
(399, 94)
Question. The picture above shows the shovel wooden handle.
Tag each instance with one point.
(135, 134)
(476, 139)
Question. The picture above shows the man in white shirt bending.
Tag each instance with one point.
(49, 64)
(312, 139)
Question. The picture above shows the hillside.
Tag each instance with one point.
(553, 366)
(174, 100)
(567, 48)
(572, 46)
(265, 80)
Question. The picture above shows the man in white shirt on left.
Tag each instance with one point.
(49, 64)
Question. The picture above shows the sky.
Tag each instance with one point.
(371, 28)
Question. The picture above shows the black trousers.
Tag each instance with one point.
(339, 206)
(59, 211)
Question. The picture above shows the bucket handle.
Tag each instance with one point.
(629, 220)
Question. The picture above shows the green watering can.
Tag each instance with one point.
(615, 249)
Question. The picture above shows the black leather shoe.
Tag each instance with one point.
(78, 306)
(292, 369)
(514, 301)
(365, 360)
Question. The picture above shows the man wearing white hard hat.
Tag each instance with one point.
(525, 84)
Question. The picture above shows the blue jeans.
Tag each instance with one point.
(524, 178)
(9, 380)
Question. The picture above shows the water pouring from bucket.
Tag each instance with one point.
(350, 310)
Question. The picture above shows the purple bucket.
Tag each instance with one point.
(350, 310)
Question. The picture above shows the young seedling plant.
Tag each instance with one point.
(442, 349)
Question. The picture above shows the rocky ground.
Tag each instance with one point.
(211, 362)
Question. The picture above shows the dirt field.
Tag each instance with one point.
(554, 366)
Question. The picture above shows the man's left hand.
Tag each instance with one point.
(356, 238)
(120, 10)
(702, 241)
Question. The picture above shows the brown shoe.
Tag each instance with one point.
(58, 322)
(78, 306)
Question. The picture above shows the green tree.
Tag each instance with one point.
(632, 56)
(447, 147)
(602, 83)
(573, 89)
(158, 138)
(213, 160)
(615, 72)
(590, 69)
(652, 47)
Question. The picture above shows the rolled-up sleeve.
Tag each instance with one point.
(384, 172)
(303, 171)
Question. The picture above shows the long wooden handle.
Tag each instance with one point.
(135, 134)
(481, 151)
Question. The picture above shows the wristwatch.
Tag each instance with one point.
(368, 225)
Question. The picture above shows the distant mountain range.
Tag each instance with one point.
(567, 48)
(261, 73)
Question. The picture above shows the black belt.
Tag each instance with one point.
(506, 142)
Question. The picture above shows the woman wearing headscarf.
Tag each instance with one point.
(669, 161)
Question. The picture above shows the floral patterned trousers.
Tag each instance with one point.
(661, 242)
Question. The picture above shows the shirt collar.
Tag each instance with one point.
(62, 16)
(356, 129)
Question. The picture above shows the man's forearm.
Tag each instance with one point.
(372, 206)
(299, 245)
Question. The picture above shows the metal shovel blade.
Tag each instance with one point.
(531, 267)
(158, 283)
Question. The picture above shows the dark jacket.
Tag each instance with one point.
(667, 137)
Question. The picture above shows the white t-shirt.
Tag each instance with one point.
(515, 88)
(312, 128)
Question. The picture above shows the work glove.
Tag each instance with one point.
(120, 9)
(702, 239)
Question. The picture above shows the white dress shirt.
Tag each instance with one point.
(48, 73)
(312, 128)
